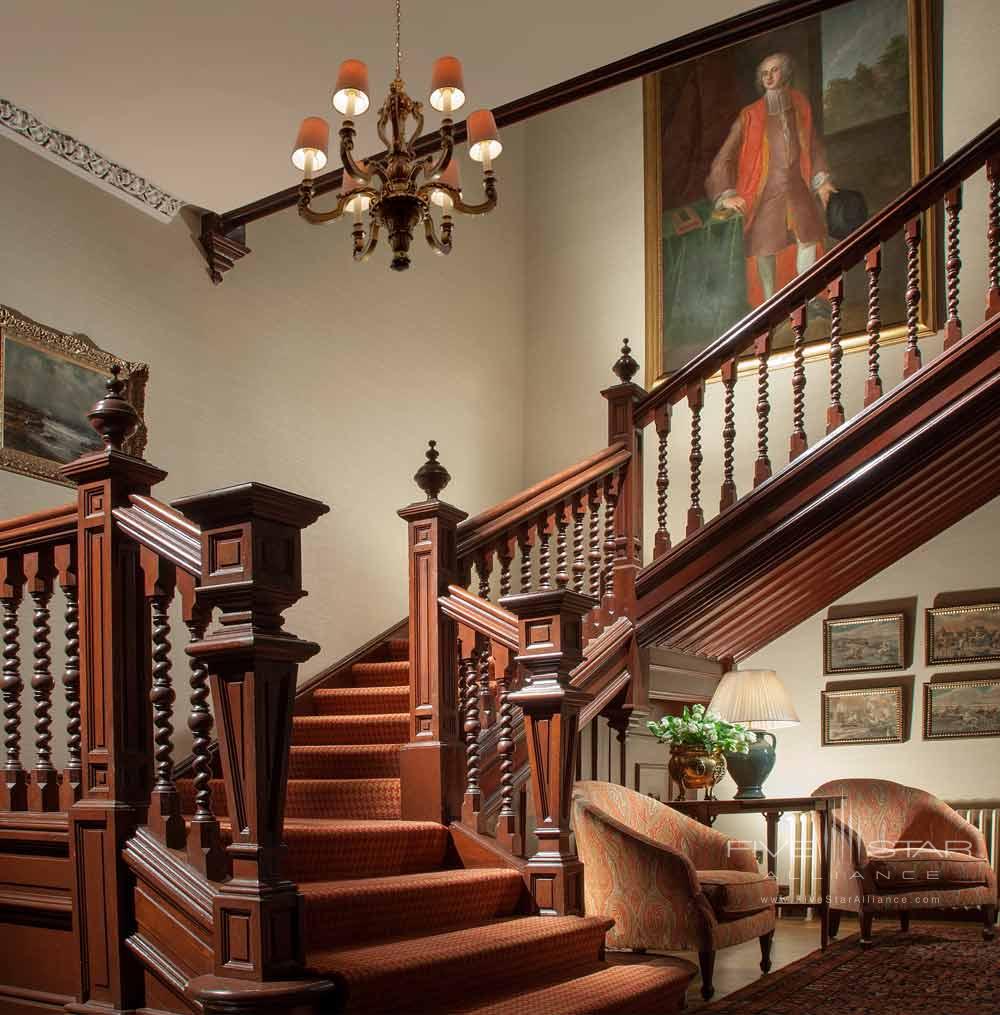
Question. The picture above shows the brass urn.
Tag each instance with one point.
(695, 768)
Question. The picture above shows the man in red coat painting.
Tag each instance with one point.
(772, 170)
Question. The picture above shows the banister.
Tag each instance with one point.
(849, 251)
(48, 526)
(528, 504)
(163, 529)
(482, 616)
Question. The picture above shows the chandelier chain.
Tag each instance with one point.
(398, 50)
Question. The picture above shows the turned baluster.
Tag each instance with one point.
(164, 808)
(484, 566)
(728, 494)
(471, 725)
(14, 792)
(873, 266)
(911, 356)
(993, 239)
(835, 410)
(611, 488)
(487, 709)
(579, 509)
(661, 419)
(71, 788)
(508, 831)
(762, 465)
(525, 542)
(43, 789)
(696, 400)
(544, 528)
(798, 442)
(952, 267)
(594, 540)
(562, 517)
(505, 553)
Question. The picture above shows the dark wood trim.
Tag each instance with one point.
(481, 615)
(164, 530)
(46, 528)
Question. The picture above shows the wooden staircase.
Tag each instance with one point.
(365, 842)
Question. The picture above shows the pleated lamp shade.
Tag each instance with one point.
(755, 698)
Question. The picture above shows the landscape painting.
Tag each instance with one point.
(49, 381)
(761, 155)
(968, 708)
(861, 644)
(870, 715)
(965, 634)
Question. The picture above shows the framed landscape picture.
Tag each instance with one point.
(49, 382)
(759, 156)
(863, 644)
(963, 634)
(869, 715)
(962, 708)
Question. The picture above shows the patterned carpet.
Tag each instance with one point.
(934, 969)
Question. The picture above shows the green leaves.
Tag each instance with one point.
(697, 727)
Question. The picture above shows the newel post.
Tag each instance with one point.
(431, 779)
(622, 399)
(251, 573)
(550, 626)
(116, 749)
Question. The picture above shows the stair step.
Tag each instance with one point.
(361, 700)
(396, 674)
(344, 761)
(625, 990)
(437, 969)
(351, 729)
(339, 913)
(346, 799)
(399, 648)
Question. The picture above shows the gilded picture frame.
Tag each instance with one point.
(864, 644)
(666, 350)
(863, 715)
(958, 709)
(49, 380)
(963, 634)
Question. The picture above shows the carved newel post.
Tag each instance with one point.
(115, 739)
(251, 574)
(430, 764)
(551, 634)
(622, 399)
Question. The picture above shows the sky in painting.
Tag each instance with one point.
(857, 33)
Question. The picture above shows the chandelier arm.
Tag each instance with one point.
(347, 155)
(317, 218)
(417, 112)
(362, 250)
(442, 246)
(447, 151)
(484, 207)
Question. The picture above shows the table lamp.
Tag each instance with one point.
(756, 699)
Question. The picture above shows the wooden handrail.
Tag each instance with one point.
(481, 615)
(527, 505)
(49, 526)
(163, 529)
(849, 251)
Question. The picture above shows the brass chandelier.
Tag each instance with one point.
(397, 188)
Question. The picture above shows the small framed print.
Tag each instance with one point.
(963, 634)
(866, 715)
(962, 708)
(863, 644)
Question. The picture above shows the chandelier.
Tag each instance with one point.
(398, 188)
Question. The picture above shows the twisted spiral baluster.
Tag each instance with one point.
(484, 565)
(544, 558)
(162, 695)
(562, 572)
(71, 678)
(952, 267)
(911, 356)
(993, 239)
(579, 564)
(486, 702)
(873, 266)
(594, 539)
(610, 506)
(200, 724)
(506, 554)
(13, 687)
(41, 680)
(524, 542)
(728, 495)
(472, 724)
(505, 748)
(797, 442)
(661, 542)
(696, 516)
(762, 466)
(835, 410)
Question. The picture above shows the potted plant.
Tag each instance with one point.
(697, 740)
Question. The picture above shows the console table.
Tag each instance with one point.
(706, 811)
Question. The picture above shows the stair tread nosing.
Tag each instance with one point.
(344, 761)
(383, 728)
(393, 673)
(377, 698)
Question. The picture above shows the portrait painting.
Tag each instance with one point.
(49, 382)
(869, 715)
(761, 155)
(966, 634)
(962, 708)
(861, 644)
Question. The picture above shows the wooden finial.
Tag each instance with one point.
(113, 417)
(625, 367)
(432, 477)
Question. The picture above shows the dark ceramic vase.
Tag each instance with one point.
(750, 770)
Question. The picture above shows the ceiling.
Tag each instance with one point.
(204, 98)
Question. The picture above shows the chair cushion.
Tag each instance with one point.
(910, 868)
(733, 894)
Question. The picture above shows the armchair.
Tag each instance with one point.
(896, 849)
(668, 882)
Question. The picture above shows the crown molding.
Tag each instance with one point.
(63, 149)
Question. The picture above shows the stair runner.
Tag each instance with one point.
(385, 914)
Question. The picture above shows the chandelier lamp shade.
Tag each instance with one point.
(395, 192)
(756, 699)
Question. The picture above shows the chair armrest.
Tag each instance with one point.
(947, 829)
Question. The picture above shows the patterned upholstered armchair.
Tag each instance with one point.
(897, 849)
(669, 883)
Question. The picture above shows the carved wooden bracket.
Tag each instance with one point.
(222, 247)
